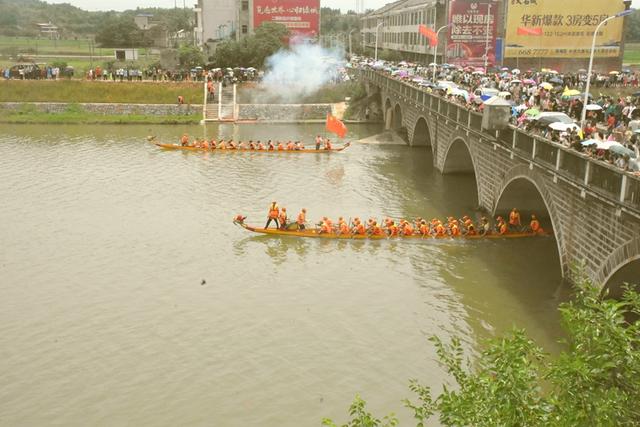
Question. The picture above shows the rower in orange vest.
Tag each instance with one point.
(375, 229)
(327, 144)
(343, 227)
(290, 146)
(325, 228)
(360, 228)
(280, 146)
(282, 218)
(260, 145)
(514, 220)
(392, 228)
(455, 230)
(501, 226)
(407, 229)
(274, 212)
(534, 225)
(184, 140)
(424, 228)
(270, 146)
(302, 219)
(440, 230)
(222, 145)
(213, 144)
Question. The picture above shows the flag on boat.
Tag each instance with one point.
(334, 125)
(524, 31)
(430, 34)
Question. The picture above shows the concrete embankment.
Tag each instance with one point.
(101, 108)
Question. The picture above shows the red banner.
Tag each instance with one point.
(469, 21)
(429, 34)
(301, 17)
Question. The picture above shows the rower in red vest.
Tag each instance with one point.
(514, 220)
(282, 218)
(534, 225)
(274, 212)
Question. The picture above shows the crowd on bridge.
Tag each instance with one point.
(543, 102)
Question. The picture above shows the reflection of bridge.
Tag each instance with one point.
(594, 208)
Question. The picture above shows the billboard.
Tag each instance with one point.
(301, 17)
(562, 29)
(472, 32)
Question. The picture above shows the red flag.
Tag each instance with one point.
(524, 31)
(336, 126)
(430, 34)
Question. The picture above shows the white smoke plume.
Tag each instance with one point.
(299, 72)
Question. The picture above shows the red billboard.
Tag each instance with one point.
(471, 25)
(301, 17)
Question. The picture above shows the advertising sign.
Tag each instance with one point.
(562, 29)
(472, 32)
(301, 17)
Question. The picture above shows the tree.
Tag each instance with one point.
(190, 56)
(119, 31)
(253, 50)
(594, 381)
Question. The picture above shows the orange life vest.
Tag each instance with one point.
(455, 231)
(408, 230)
(393, 230)
(184, 140)
(280, 146)
(514, 218)
(325, 228)
(360, 229)
(301, 218)
(274, 211)
(424, 229)
(440, 231)
(376, 231)
(535, 226)
(344, 228)
(502, 228)
(282, 217)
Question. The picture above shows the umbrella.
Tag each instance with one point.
(515, 71)
(571, 92)
(515, 82)
(553, 71)
(478, 73)
(593, 107)
(532, 112)
(605, 145)
(529, 81)
(588, 142)
(546, 86)
(614, 73)
(622, 150)
(433, 64)
(504, 69)
(564, 127)
(556, 80)
(582, 70)
(460, 92)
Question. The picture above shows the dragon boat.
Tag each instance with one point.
(315, 233)
(246, 150)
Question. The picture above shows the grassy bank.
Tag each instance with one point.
(76, 115)
(631, 53)
(79, 91)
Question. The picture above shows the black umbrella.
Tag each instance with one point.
(556, 80)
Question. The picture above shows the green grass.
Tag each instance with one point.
(32, 46)
(631, 53)
(80, 91)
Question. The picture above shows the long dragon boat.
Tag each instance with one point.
(315, 233)
(246, 150)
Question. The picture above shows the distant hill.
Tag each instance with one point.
(19, 18)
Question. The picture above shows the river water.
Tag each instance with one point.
(105, 241)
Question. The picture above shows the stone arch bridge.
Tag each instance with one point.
(593, 208)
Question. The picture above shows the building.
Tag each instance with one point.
(49, 30)
(514, 33)
(217, 20)
(396, 25)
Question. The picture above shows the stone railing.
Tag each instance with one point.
(610, 183)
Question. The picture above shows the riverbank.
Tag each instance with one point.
(62, 113)
(82, 91)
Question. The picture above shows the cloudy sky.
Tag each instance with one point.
(132, 4)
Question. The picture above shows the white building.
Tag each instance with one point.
(215, 20)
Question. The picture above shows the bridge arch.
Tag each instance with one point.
(623, 265)
(421, 134)
(526, 190)
(458, 158)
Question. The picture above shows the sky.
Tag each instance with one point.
(132, 4)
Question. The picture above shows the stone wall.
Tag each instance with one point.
(103, 108)
(284, 112)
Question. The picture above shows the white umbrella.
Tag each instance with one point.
(605, 145)
(593, 107)
(515, 82)
(563, 127)
(588, 142)
(515, 71)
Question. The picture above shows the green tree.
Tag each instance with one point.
(190, 56)
(595, 381)
(119, 31)
(253, 50)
